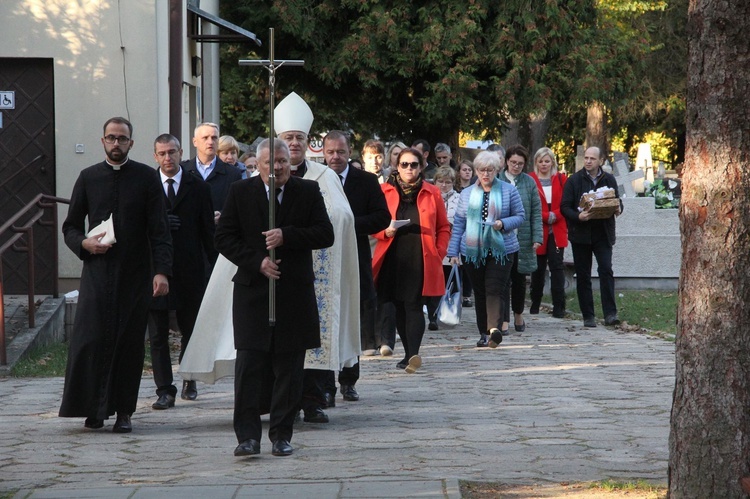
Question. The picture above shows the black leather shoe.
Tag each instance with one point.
(349, 393)
(249, 447)
(314, 416)
(558, 315)
(189, 390)
(467, 303)
(123, 424)
(482, 341)
(330, 399)
(433, 326)
(496, 337)
(282, 448)
(611, 320)
(520, 328)
(590, 322)
(534, 309)
(163, 402)
(402, 365)
(93, 423)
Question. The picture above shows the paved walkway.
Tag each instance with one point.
(558, 403)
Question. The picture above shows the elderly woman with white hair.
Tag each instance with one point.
(484, 226)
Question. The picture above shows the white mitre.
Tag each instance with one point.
(292, 113)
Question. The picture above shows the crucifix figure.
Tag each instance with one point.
(271, 65)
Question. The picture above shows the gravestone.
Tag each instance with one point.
(648, 246)
(625, 179)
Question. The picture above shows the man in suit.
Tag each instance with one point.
(371, 215)
(277, 351)
(191, 221)
(336, 268)
(209, 167)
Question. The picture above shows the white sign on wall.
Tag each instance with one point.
(7, 100)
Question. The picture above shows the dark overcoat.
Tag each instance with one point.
(192, 242)
(304, 222)
(371, 215)
(105, 358)
(220, 178)
(577, 185)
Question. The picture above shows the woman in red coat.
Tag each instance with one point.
(407, 263)
(550, 184)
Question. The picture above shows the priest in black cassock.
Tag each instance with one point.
(107, 347)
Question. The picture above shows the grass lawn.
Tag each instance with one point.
(649, 309)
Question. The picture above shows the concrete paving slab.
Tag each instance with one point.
(557, 403)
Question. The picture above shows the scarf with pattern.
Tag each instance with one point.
(481, 239)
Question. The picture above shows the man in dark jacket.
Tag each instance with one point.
(105, 360)
(209, 167)
(191, 221)
(275, 351)
(591, 237)
(371, 215)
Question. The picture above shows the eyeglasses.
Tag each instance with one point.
(516, 163)
(485, 171)
(444, 181)
(413, 165)
(120, 139)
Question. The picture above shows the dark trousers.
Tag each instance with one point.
(490, 282)
(369, 335)
(553, 258)
(349, 375)
(517, 292)
(466, 286)
(314, 386)
(252, 371)
(410, 325)
(385, 323)
(582, 258)
(158, 332)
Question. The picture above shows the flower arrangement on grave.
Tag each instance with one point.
(666, 192)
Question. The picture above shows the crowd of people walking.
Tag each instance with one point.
(348, 254)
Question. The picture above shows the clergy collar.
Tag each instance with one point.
(300, 169)
(114, 166)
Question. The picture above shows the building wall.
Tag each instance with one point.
(110, 59)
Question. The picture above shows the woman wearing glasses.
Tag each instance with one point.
(407, 264)
(484, 225)
(530, 236)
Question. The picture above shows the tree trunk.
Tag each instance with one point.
(709, 441)
(539, 127)
(596, 127)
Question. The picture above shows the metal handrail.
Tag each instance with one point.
(41, 202)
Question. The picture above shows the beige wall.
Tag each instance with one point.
(94, 78)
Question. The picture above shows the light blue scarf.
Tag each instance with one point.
(481, 238)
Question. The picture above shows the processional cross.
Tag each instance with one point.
(271, 65)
